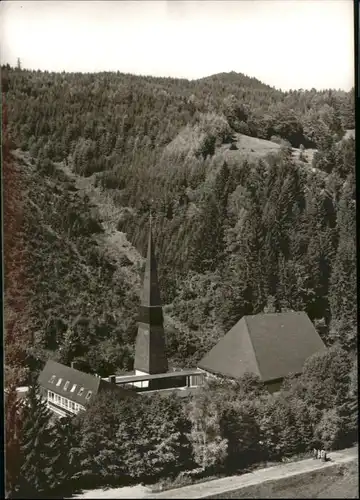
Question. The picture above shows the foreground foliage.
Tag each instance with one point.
(37, 448)
(225, 427)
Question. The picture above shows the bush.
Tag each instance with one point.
(112, 180)
(328, 432)
(92, 226)
(209, 448)
(280, 141)
(242, 128)
(279, 430)
(46, 167)
(326, 377)
(240, 428)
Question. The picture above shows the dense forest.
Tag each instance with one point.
(252, 192)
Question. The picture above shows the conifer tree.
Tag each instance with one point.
(351, 408)
(94, 451)
(207, 238)
(12, 440)
(342, 293)
(65, 466)
(37, 475)
(208, 243)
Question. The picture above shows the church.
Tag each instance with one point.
(270, 346)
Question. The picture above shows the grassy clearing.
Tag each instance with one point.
(249, 147)
(252, 148)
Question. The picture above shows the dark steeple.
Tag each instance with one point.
(150, 354)
(150, 296)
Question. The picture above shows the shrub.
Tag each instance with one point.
(326, 377)
(303, 417)
(280, 141)
(242, 128)
(46, 166)
(112, 180)
(240, 428)
(209, 448)
(279, 430)
(152, 434)
(328, 432)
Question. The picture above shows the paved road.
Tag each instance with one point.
(218, 486)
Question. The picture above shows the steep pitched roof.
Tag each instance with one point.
(56, 376)
(268, 345)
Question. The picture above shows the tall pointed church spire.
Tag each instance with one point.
(150, 296)
(150, 354)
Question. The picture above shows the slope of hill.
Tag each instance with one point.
(76, 288)
(247, 215)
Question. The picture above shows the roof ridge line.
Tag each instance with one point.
(252, 346)
(73, 369)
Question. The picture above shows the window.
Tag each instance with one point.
(88, 395)
(73, 388)
(72, 405)
(58, 382)
(52, 379)
(81, 391)
(66, 385)
(66, 403)
(50, 395)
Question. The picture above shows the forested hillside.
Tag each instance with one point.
(253, 198)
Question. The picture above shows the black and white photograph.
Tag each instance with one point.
(179, 249)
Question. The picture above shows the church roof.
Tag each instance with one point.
(79, 387)
(268, 345)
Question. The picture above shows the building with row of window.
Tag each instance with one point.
(68, 390)
(268, 345)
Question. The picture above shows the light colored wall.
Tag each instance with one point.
(196, 380)
(143, 383)
(68, 405)
(272, 387)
